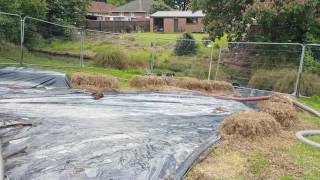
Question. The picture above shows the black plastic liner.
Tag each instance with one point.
(31, 78)
(122, 136)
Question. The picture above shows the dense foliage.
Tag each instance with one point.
(33, 8)
(185, 45)
(70, 12)
(263, 20)
(178, 4)
(117, 2)
(60, 11)
(159, 5)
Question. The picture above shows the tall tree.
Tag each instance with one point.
(178, 4)
(70, 12)
(33, 8)
(223, 16)
(276, 20)
(159, 5)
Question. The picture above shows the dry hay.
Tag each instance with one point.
(279, 98)
(285, 114)
(94, 82)
(282, 109)
(152, 82)
(249, 124)
(147, 82)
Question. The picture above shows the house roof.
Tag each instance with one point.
(100, 7)
(135, 6)
(178, 14)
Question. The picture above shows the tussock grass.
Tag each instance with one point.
(94, 82)
(111, 58)
(152, 82)
(283, 80)
(117, 58)
(250, 124)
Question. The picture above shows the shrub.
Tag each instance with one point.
(139, 60)
(311, 64)
(112, 57)
(185, 45)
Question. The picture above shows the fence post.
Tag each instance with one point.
(297, 86)
(152, 57)
(211, 59)
(82, 34)
(22, 21)
(218, 65)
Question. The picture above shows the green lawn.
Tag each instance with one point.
(313, 102)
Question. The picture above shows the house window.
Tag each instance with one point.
(192, 20)
(121, 14)
(131, 14)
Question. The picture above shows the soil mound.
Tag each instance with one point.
(94, 82)
(250, 124)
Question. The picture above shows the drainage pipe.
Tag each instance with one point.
(306, 108)
(301, 135)
(242, 99)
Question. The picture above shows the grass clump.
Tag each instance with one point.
(310, 84)
(284, 80)
(111, 58)
(94, 82)
(117, 58)
(249, 124)
(278, 80)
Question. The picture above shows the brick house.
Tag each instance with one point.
(137, 10)
(99, 11)
(177, 21)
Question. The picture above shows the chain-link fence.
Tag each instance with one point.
(10, 38)
(309, 84)
(265, 66)
(184, 57)
(51, 44)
